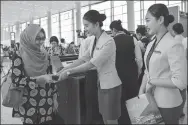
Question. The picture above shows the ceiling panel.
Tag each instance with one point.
(13, 11)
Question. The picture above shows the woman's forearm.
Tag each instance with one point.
(81, 68)
(163, 82)
(74, 64)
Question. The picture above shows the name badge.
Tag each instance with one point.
(159, 52)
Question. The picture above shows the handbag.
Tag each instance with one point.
(11, 95)
(143, 110)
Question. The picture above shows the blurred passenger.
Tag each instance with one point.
(101, 56)
(126, 66)
(29, 65)
(71, 49)
(55, 49)
(166, 70)
(143, 41)
(178, 31)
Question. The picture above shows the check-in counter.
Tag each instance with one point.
(68, 57)
(78, 102)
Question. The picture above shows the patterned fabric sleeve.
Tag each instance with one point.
(19, 78)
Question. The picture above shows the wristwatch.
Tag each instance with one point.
(68, 73)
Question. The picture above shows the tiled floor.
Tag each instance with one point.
(6, 113)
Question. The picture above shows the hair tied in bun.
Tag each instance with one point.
(119, 21)
(170, 18)
(102, 17)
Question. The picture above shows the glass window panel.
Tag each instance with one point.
(124, 18)
(66, 28)
(107, 21)
(67, 36)
(137, 6)
(102, 11)
(163, 2)
(101, 6)
(119, 3)
(23, 26)
(125, 9)
(173, 2)
(147, 4)
(84, 10)
(55, 18)
(36, 21)
(11, 28)
(108, 12)
(124, 25)
(177, 4)
(118, 17)
(118, 10)
(137, 15)
(43, 21)
(14, 28)
(137, 23)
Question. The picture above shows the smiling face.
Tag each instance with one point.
(152, 24)
(89, 27)
(40, 38)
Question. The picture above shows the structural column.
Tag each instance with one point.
(17, 34)
(49, 24)
(130, 16)
(78, 19)
(78, 15)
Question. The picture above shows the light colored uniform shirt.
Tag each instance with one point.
(167, 62)
(104, 58)
(84, 45)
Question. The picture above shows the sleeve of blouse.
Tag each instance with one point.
(19, 79)
(178, 66)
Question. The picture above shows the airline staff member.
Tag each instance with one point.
(165, 74)
(101, 55)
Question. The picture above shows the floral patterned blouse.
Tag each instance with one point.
(56, 51)
(37, 104)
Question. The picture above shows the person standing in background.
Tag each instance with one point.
(166, 69)
(143, 41)
(126, 66)
(56, 49)
(178, 31)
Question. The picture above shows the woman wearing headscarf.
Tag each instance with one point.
(29, 65)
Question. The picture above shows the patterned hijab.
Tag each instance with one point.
(35, 61)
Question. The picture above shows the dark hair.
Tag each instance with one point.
(116, 24)
(158, 10)
(42, 30)
(94, 16)
(62, 40)
(126, 32)
(142, 30)
(54, 38)
(178, 28)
